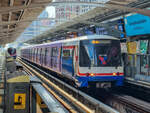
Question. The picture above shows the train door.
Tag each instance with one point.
(46, 56)
(34, 55)
(37, 55)
(54, 56)
(67, 61)
(40, 57)
(49, 57)
(59, 59)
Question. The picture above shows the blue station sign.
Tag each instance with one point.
(137, 24)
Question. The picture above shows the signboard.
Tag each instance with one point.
(118, 25)
(143, 46)
(19, 101)
(132, 47)
(137, 24)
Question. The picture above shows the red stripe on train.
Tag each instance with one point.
(99, 74)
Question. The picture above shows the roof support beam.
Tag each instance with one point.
(24, 20)
(5, 34)
(20, 28)
(71, 30)
(43, 4)
(4, 10)
(12, 29)
(10, 13)
(121, 2)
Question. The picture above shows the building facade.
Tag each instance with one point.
(68, 11)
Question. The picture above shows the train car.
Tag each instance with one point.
(12, 52)
(87, 60)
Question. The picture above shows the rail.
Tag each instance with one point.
(79, 99)
(133, 103)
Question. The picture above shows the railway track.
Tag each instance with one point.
(127, 103)
(120, 101)
(134, 104)
(72, 99)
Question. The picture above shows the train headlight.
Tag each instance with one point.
(114, 74)
(92, 74)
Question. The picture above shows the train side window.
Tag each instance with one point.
(54, 52)
(66, 53)
(37, 52)
(46, 54)
(40, 54)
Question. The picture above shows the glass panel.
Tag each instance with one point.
(66, 53)
(96, 53)
(144, 65)
(46, 55)
(54, 51)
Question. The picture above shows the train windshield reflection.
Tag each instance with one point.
(98, 53)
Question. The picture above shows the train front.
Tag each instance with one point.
(100, 63)
(12, 52)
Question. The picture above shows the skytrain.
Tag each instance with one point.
(86, 60)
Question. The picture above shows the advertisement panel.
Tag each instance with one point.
(132, 47)
(117, 24)
(143, 46)
(137, 24)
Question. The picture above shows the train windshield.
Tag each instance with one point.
(100, 53)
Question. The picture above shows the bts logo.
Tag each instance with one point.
(103, 59)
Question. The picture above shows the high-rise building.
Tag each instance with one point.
(68, 11)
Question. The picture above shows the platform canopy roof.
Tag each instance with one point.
(110, 10)
(16, 15)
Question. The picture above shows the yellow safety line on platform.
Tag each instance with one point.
(70, 97)
(21, 78)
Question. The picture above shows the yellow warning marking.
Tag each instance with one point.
(21, 78)
(1, 99)
(19, 101)
(40, 102)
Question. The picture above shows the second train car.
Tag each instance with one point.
(87, 60)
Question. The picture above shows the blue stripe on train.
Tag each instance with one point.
(84, 80)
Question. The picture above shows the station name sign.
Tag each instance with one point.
(137, 24)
